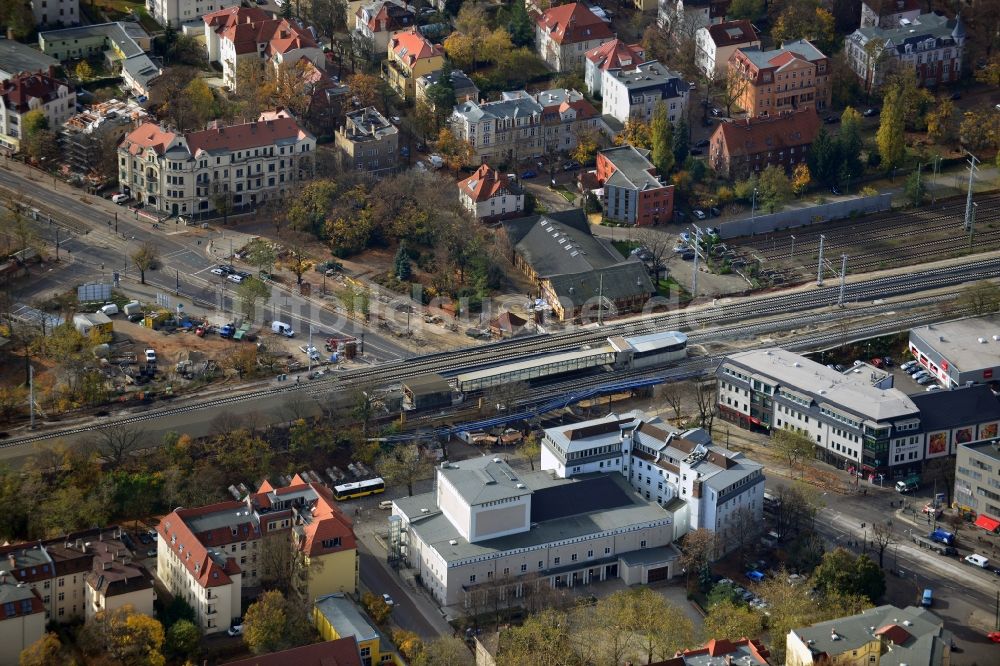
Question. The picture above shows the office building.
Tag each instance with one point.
(633, 192)
(977, 482)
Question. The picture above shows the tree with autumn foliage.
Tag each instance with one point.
(636, 133)
(800, 178)
(456, 152)
(365, 88)
(129, 637)
(805, 19)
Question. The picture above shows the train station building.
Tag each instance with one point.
(487, 530)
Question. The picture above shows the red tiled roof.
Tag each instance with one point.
(247, 135)
(149, 135)
(233, 15)
(484, 184)
(721, 33)
(584, 109)
(248, 28)
(616, 54)
(722, 647)
(389, 16)
(18, 92)
(895, 633)
(341, 652)
(410, 46)
(572, 23)
(753, 135)
(784, 58)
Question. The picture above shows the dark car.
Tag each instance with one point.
(144, 538)
(835, 190)
(714, 210)
(701, 144)
(695, 151)
(716, 112)
(956, 95)
(572, 165)
(528, 175)
(831, 120)
(870, 113)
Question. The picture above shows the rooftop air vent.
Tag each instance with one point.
(521, 485)
(982, 341)
(453, 542)
(797, 364)
(425, 510)
(496, 460)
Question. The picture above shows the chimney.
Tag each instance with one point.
(13, 561)
(3, 577)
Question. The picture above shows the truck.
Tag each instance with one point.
(908, 484)
(942, 536)
(933, 546)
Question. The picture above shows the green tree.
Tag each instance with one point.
(145, 258)
(262, 255)
(531, 449)
(249, 292)
(401, 264)
(850, 142)
(661, 134)
(682, 139)
(914, 189)
(183, 639)
(83, 70)
(520, 25)
(46, 651)
(733, 620)
(309, 210)
(980, 130)
(404, 464)
(38, 141)
(18, 18)
(841, 573)
(774, 188)
(543, 638)
(805, 19)
(890, 137)
(265, 623)
(942, 122)
(824, 158)
(746, 9)
(791, 445)
(201, 99)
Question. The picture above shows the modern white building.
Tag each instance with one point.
(56, 12)
(633, 93)
(28, 92)
(959, 352)
(178, 12)
(699, 484)
(187, 174)
(715, 43)
(489, 194)
(486, 526)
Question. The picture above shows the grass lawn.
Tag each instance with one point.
(567, 195)
(625, 247)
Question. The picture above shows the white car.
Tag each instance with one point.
(388, 600)
(119, 197)
(150, 356)
(236, 629)
(238, 278)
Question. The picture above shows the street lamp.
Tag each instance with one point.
(753, 210)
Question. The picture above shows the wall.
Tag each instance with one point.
(790, 219)
(18, 633)
(334, 572)
(140, 600)
(454, 507)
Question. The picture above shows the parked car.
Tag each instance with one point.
(572, 165)
(715, 211)
(868, 113)
(150, 356)
(151, 552)
(144, 538)
(907, 365)
(831, 120)
(529, 174)
(388, 600)
(223, 270)
(699, 213)
(701, 144)
(237, 629)
(237, 277)
(695, 151)
(119, 198)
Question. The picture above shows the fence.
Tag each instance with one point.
(803, 217)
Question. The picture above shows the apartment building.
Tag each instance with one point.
(633, 192)
(564, 34)
(715, 44)
(239, 34)
(464, 88)
(186, 174)
(488, 194)
(375, 23)
(931, 45)
(81, 573)
(209, 555)
(23, 621)
(614, 54)
(520, 125)
(55, 12)
(687, 16)
(977, 482)
(368, 143)
(123, 45)
(486, 527)
(739, 148)
(410, 56)
(26, 92)
(791, 78)
(178, 12)
(888, 14)
(634, 93)
(699, 484)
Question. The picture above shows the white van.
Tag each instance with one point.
(109, 309)
(385, 504)
(281, 328)
(977, 560)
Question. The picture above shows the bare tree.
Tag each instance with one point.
(697, 550)
(706, 402)
(792, 445)
(115, 443)
(145, 259)
(737, 82)
(659, 246)
(404, 464)
(282, 567)
(882, 538)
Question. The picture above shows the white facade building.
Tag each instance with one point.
(633, 94)
(487, 193)
(56, 12)
(701, 485)
(186, 174)
(176, 12)
(28, 92)
(715, 43)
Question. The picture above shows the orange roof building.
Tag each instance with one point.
(564, 33)
(615, 54)
(27, 92)
(489, 194)
(410, 56)
(207, 555)
(794, 77)
(748, 146)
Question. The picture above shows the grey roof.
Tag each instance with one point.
(632, 168)
(142, 69)
(598, 493)
(368, 124)
(607, 429)
(483, 479)
(652, 74)
(513, 104)
(922, 636)
(428, 384)
(762, 59)
(16, 57)
(434, 529)
(623, 281)
(228, 517)
(966, 405)
(115, 31)
(654, 341)
(11, 592)
(461, 83)
(649, 556)
(547, 359)
(943, 30)
(986, 448)
(958, 341)
(825, 385)
(345, 618)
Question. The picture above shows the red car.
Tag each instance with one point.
(994, 636)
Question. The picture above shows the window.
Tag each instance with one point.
(472, 578)
(62, 596)
(573, 557)
(524, 567)
(555, 560)
(642, 544)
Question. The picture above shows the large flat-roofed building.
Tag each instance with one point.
(951, 418)
(16, 57)
(977, 482)
(368, 143)
(959, 352)
(486, 525)
(699, 484)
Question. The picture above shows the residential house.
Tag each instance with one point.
(930, 45)
(210, 554)
(745, 652)
(614, 54)
(701, 485)
(239, 34)
(185, 174)
(26, 92)
(368, 142)
(16, 57)
(337, 617)
(715, 44)
(897, 635)
(338, 652)
(486, 527)
(793, 77)
(977, 478)
(633, 193)
(888, 14)
(81, 573)
(410, 56)
(462, 85)
(378, 21)
(177, 12)
(55, 12)
(633, 94)
(488, 194)
(123, 46)
(23, 622)
(684, 17)
(747, 146)
(565, 33)
(520, 125)
(575, 271)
